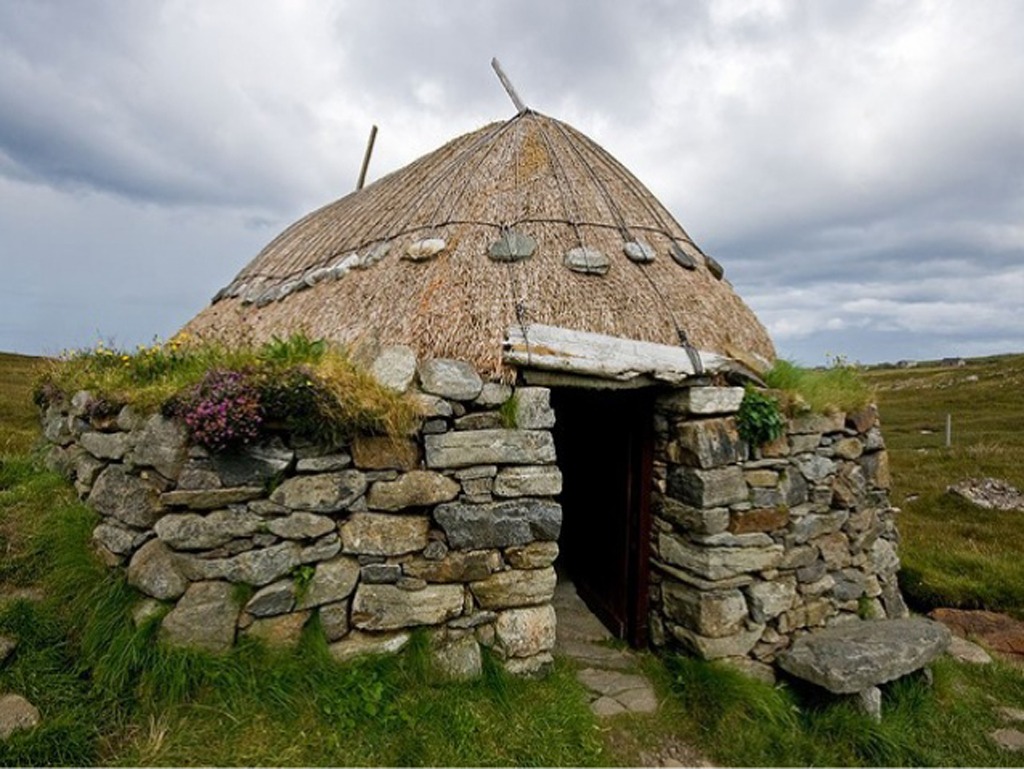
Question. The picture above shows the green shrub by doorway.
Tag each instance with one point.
(759, 419)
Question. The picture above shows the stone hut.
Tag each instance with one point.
(579, 362)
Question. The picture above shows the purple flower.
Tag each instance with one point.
(223, 411)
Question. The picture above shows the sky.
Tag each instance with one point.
(856, 167)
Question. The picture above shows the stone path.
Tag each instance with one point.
(1009, 738)
(998, 632)
(994, 629)
(16, 713)
(611, 674)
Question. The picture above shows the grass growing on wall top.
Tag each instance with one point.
(312, 386)
(839, 387)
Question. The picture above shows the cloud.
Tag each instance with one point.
(857, 167)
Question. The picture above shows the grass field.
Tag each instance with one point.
(19, 423)
(110, 695)
(954, 553)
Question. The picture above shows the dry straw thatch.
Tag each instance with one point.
(532, 175)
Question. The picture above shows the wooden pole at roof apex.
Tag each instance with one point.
(366, 158)
(509, 88)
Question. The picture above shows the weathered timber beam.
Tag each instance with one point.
(550, 348)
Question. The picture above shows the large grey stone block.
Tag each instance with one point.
(387, 607)
(190, 531)
(16, 714)
(693, 519)
(708, 488)
(119, 539)
(703, 400)
(383, 534)
(814, 525)
(714, 613)
(852, 657)
(210, 499)
(707, 443)
(455, 566)
(716, 563)
(768, 600)
(127, 497)
(161, 444)
(737, 645)
(203, 619)
(528, 481)
(395, 367)
(533, 408)
(255, 567)
(499, 524)
(515, 587)
(153, 571)
(325, 493)
(815, 468)
(526, 631)
(106, 445)
(275, 598)
(417, 488)
(357, 644)
(458, 658)
(332, 581)
(452, 379)
(489, 447)
(301, 526)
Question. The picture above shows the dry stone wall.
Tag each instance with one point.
(453, 529)
(753, 547)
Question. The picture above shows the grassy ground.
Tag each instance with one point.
(19, 425)
(110, 695)
(954, 553)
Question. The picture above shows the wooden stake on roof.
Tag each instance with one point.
(366, 158)
(509, 88)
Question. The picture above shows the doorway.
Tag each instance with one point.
(604, 441)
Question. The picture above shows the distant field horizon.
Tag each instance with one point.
(873, 365)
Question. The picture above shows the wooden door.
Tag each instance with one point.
(604, 444)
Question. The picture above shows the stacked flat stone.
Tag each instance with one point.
(753, 547)
(453, 528)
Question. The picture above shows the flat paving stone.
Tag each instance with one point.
(605, 707)
(1008, 739)
(16, 713)
(575, 621)
(594, 655)
(581, 637)
(1011, 714)
(7, 645)
(639, 700)
(610, 682)
(963, 650)
(850, 658)
(633, 693)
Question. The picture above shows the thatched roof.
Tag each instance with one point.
(361, 269)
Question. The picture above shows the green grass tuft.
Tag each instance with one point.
(837, 388)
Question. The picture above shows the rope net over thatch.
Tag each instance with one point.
(526, 221)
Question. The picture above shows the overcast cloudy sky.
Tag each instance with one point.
(857, 167)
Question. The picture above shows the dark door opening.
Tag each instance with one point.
(604, 443)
